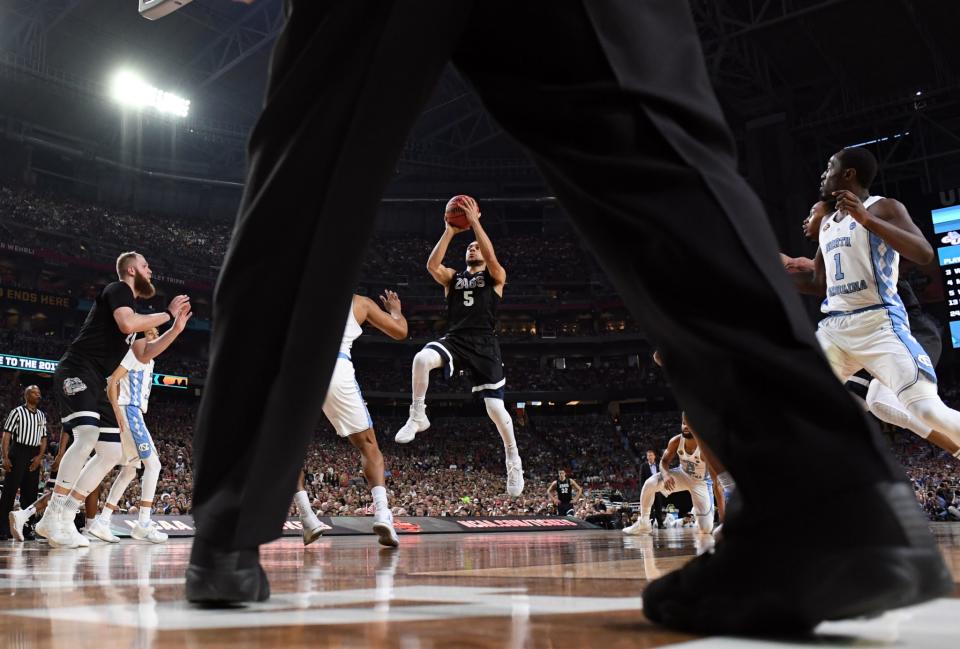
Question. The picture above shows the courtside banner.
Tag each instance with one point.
(182, 526)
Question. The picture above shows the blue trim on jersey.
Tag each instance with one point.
(344, 356)
(139, 431)
(135, 381)
(901, 326)
(884, 266)
(365, 409)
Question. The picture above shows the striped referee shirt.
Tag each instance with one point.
(25, 426)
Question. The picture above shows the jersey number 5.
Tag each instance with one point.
(468, 298)
(836, 259)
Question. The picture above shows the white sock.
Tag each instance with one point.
(144, 516)
(31, 510)
(105, 516)
(420, 405)
(89, 522)
(303, 503)
(380, 499)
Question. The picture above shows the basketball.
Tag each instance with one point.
(454, 214)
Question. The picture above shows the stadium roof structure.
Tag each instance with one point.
(833, 72)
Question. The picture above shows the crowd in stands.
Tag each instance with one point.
(455, 468)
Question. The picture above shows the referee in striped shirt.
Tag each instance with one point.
(24, 443)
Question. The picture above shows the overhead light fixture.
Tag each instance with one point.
(129, 89)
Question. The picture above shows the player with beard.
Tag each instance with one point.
(473, 296)
(80, 386)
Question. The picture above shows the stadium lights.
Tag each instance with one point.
(130, 89)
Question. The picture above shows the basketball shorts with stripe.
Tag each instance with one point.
(477, 354)
(80, 395)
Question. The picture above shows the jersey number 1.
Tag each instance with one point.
(836, 259)
(468, 298)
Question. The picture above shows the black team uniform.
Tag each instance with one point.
(471, 340)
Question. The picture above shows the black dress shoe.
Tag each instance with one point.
(785, 582)
(218, 577)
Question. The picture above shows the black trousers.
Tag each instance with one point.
(656, 512)
(612, 101)
(19, 478)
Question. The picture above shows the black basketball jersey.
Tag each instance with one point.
(563, 490)
(472, 303)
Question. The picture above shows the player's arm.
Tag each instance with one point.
(808, 275)
(5, 448)
(65, 439)
(113, 395)
(131, 322)
(497, 272)
(147, 351)
(891, 222)
(435, 267)
(389, 320)
(552, 491)
(717, 492)
(668, 456)
(36, 459)
(578, 489)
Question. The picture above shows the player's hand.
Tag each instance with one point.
(180, 322)
(471, 208)
(7, 464)
(850, 203)
(454, 230)
(669, 483)
(176, 304)
(811, 224)
(34, 464)
(391, 302)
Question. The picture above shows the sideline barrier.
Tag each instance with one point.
(182, 526)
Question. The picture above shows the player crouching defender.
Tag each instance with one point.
(473, 296)
(689, 476)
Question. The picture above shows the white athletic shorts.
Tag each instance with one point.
(879, 341)
(344, 405)
(699, 492)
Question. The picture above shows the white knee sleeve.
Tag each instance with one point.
(883, 403)
(426, 360)
(935, 414)
(109, 455)
(151, 473)
(501, 419)
(71, 464)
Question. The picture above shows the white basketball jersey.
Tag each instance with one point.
(135, 386)
(862, 270)
(691, 463)
(351, 332)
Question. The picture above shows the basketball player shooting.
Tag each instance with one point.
(867, 326)
(470, 343)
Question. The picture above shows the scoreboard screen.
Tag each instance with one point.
(946, 231)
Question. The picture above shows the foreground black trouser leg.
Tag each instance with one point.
(345, 87)
(645, 166)
(615, 107)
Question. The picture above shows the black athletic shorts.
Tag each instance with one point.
(565, 509)
(480, 355)
(80, 394)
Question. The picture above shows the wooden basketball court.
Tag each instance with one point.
(553, 589)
